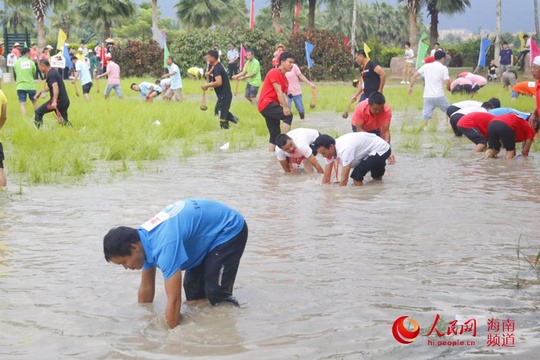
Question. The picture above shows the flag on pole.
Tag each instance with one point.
(367, 50)
(67, 56)
(309, 49)
(534, 51)
(422, 50)
(62, 37)
(242, 56)
(521, 40)
(166, 54)
(484, 46)
(252, 15)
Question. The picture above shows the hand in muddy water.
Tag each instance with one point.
(391, 159)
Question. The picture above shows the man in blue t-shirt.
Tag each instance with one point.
(147, 90)
(204, 238)
(506, 58)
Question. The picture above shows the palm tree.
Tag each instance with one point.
(207, 13)
(498, 33)
(155, 27)
(64, 17)
(276, 6)
(107, 11)
(40, 7)
(449, 7)
(536, 26)
(413, 7)
(16, 15)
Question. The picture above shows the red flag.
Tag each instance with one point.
(346, 42)
(296, 17)
(534, 51)
(252, 15)
(242, 56)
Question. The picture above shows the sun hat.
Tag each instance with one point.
(536, 61)
(16, 44)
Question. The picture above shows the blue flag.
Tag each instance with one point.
(484, 46)
(309, 49)
(67, 56)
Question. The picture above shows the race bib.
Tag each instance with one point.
(165, 214)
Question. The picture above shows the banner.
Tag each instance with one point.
(62, 37)
(367, 50)
(58, 61)
(534, 51)
(67, 56)
(296, 18)
(422, 51)
(484, 47)
(252, 15)
(166, 54)
(242, 57)
(309, 49)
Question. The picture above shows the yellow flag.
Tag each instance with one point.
(367, 50)
(62, 37)
(521, 40)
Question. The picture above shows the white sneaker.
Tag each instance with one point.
(403, 82)
(408, 82)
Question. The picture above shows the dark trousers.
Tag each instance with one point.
(46, 108)
(273, 114)
(233, 69)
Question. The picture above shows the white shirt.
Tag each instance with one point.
(409, 54)
(435, 75)
(302, 138)
(84, 72)
(468, 103)
(469, 110)
(176, 79)
(352, 148)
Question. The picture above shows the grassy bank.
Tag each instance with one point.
(120, 134)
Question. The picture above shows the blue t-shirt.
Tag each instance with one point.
(180, 236)
(176, 79)
(506, 110)
(506, 56)
(144, 88)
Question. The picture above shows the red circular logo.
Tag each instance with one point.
(402, 334)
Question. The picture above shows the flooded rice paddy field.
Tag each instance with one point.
(326, 271)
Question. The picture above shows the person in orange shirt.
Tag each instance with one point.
(373, 115)
(524, 88)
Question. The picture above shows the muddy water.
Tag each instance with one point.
(326, 271)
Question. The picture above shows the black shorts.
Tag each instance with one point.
(473, 134)
(214, 278)
(273, 114)
(1, 156)
(453, 122)
(374, 163)
(499, 132)
(86, 88)
(223, 106)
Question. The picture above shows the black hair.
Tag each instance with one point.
(505, 43)
(74, 58)
(355, 83)
(44, 62)
(170, 57)
(281, 140)
(437, 44)
(24, 51)
(250, 51)
(360, 52)
(118, 242)
(158, 81)
(408, 44)
(376, 98)
(496, 103)
(487, 105)
(525, 36)
(131, 86)
(324, 141)
(214, 54)
(439, 54)
(285, 55)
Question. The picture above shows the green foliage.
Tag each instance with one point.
(186, 47)
(330, 56)
(136, 58)
(465, 54)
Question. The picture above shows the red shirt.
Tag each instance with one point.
(268, 93)
(476, 120)
(521, 127)
(538, 95)
(370, 122)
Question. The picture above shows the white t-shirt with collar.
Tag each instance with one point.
(352, 148)
(302, 138)
(435, 74)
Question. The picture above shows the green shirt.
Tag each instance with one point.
(25, 68)
(253, 67)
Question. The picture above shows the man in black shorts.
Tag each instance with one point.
(223, 90)
(59, 101)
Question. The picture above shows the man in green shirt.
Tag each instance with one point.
(25, 70)
(252, 72)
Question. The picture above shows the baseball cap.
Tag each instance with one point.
(80, 49)
(49, 47)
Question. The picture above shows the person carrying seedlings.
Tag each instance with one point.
(59, 101)
(204, 238)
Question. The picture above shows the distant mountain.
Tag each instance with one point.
(517, 15)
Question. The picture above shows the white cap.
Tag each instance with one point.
(80, 49)
(536, 60)
(16, 44)
(90, 50)
(49, 47)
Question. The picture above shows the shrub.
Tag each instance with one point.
(139, 59)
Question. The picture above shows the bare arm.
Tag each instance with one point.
(447, 84)
(173, 289)
(382, 74)
(313, 161)
(327, 173)
(147, 287)
(358, 91)
(533, 118)
(413, 79)
(385, 132)
(285, 166)
(304, 79)
(345, 175)
(216, 83)
(282, 99)
(75, 77)
(524, 152)
(240, 74)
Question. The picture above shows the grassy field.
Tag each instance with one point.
(116, 135)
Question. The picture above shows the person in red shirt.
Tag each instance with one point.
(373, 115)
(15, 50)
(508, 130)
(273, 104)
(475, 127)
